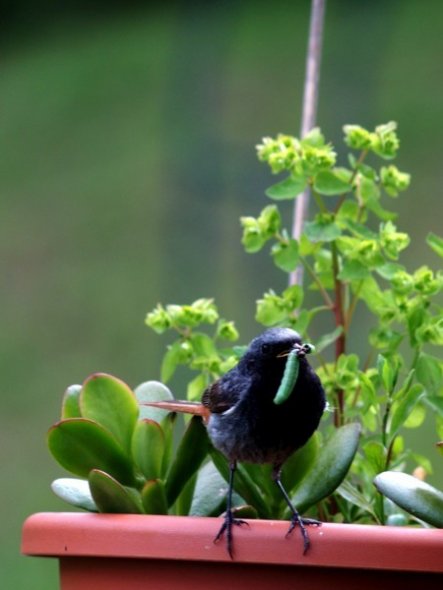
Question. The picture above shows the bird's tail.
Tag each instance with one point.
(184, 407)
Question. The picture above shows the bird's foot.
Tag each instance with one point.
(227, 527)
(296, 520)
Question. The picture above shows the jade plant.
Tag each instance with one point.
(123, 454)
(350, 251)
(122, 451)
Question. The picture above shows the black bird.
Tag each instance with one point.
(245, 424)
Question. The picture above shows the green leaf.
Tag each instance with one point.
(299, 463)
(429, 373)
(111, 497)
(71, 402)
(152, 391)
(287, 189)
(328, 339)
(368, 190)
(183, 503)
(354, 496)
(402, 409)
(154, 497)
(148, 447)
(167, 425)
(375, 455)
(323, 229)
(75, 492)
(330, 468)
(191, 452)
(389, 270)
(178, 353)
(331, 182)
(413, 495)
(435, 402)
(210, 492)
(109, 402)
(388, 369)
(353, 270)
(436, 243)
(243, 484)
(196, 387)
(416, 417)
(383, 214)
(80, 445)
(272, 309)
(286, 255)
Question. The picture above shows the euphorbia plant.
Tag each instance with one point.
(350, 251)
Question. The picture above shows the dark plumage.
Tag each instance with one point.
(246, 425)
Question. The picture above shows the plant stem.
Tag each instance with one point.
(310, 101)
(328, 301)
(340, 343)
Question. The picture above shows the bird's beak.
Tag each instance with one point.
(301, 350)
(297, 347)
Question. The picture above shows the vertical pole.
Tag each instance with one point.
(309, 114)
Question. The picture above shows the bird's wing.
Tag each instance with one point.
(218, 398)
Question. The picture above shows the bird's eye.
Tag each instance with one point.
(265, 348)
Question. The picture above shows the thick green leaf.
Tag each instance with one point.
(148, 447)
(210, 492)
(245, 511)
(261, 477)
(109, 402)
(74, 491)
(436, 243)
(80, 445)
(71, 402)
(329, 470)
(167, 425)
(182, 505)
(413, 495)
(190, 454)
(287, 189)
(330, 182)
(152, 391)
(243, 483)
(154, 497)
(111, 497)
(299, 463)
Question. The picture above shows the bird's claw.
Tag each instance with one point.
(229, 520)
(296, 520)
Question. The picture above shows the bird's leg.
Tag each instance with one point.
(296, 519)
(229, 517)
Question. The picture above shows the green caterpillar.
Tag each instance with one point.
(290, 374)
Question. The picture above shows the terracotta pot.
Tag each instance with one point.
(131, 552)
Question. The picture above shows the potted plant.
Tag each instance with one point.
(157, 501)
(124, 448)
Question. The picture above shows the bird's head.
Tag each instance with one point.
(272, 347)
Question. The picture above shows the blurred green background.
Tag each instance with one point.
(127, 136)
